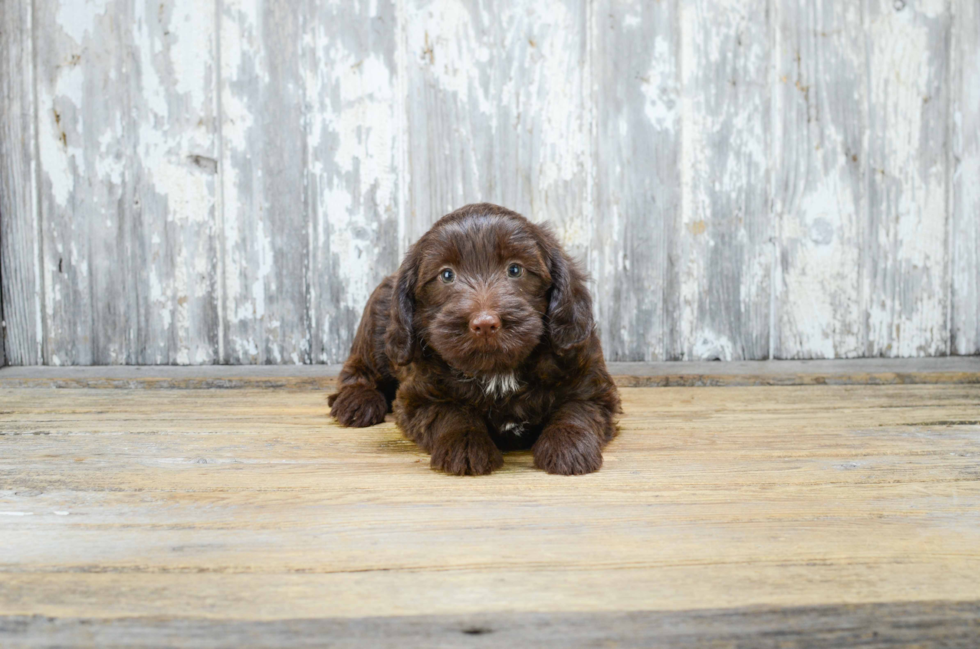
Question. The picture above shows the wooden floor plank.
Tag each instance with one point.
(951, 625)
(251, 505)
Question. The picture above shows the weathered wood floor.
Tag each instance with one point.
(815, 515)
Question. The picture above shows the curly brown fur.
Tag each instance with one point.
(499, 353)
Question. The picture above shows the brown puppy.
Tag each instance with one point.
(483, 341)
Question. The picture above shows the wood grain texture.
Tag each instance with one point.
(125, 135)
(637, 178)
(819, 169)
(177, 245)
(265, 194)
(718, 298)
(88, 214)
(250, 505)
(498, 106)
(905, 274)
(965, 170)
(225, 181)
(951, 625)
(20, 286)
(353, 166)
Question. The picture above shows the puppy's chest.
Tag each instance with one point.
(517, 413)
(512, 404)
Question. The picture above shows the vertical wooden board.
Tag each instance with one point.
(3, 324)
(450, 55)
(498, 110)
(265, 210)
(721, 250)
(176, 244)
(820, 119)
(354, 156)
(541, 102)
(20, 287)
(637, 178)
(88, 198)
(125, 125)
(905, 269)
(965, 171)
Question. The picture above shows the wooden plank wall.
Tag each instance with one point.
(964, 167)
(19, 270)
(224, 181)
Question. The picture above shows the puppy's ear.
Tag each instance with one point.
(399, 336)
(570, 305)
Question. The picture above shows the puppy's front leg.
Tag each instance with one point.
(458, 440)
(571, 442)
(366, 383)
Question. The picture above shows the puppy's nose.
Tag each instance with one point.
(485, 324)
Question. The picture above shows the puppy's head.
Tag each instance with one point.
(482, 288)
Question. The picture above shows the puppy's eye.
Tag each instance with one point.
(447, 275)
(515, 270)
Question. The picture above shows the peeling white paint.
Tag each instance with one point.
(355, 143)
(563, 131)
(78, 17)
(724, 260)
(442, 37)
(712, 346)
(660, 87)
(60, 156)
(192, 28)
(906, 312)
(822, 274)
(965, 188)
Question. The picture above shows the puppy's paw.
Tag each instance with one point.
(358, 406)
(466, 453)
(565, 450)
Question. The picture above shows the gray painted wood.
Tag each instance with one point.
(637, 178)
(225, 182)
(497, 110)
(964, 171)
(3, 326)
(819, 176)
(126, 155)
(904, 261)
(875, 626)
(265, 201)
(355, 185)
(87, 213)
(19, 273)
(718, 298)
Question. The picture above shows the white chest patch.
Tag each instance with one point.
(500, 385)
(513, 428)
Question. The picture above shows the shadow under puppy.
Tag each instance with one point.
(484, 341)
